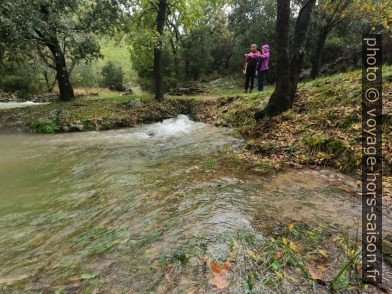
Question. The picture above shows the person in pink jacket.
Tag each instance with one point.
(262, 65)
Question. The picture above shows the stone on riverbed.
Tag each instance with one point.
(14, 97)
(76, 126)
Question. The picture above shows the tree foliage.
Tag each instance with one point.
(190, 40)
(112, 76)
(60, 32)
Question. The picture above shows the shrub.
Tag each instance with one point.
(23, 84)
(320, 143)
(45, 126)
(336, 146)
(84, 75)
(112, 76)
(316, 143)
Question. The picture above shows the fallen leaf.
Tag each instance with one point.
(219, 274)
(278, 255)
(280, 274)
(227, 265)
(219, 281)
(253, 255)
(314, 273)
(215, 267)
(293, 246)
(323, 253)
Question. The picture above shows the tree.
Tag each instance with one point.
(328, 14)
(298, 49)
(280, 99)
(155, 25)
(373, 15)
(112, 76)
(158, 70)
(288, 69)
(61, 31)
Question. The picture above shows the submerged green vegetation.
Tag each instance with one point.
(169, 214)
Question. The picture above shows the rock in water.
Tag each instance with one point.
(76, 126)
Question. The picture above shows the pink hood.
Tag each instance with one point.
(263, 58)
(265, 47)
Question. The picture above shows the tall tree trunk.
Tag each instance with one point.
(298, 49)
(316, 62)
(280, 98)
(227, 62)
(62, 75)
(49, 84)
(52, 42)
(158, 50)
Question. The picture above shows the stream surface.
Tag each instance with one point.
(102, 211)
(10, 105)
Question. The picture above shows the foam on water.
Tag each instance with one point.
(9, 105)
(174, 126)
(170, 127)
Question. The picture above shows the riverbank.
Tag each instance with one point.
(323, 128)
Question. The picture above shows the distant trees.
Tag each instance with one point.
(328, 15)
(147, 35)
(171, 39)
(59, 31)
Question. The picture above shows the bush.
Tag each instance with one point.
(45, 126)
(84, 75)
(112, 76)
(22, 84)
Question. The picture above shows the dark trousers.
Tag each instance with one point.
(260, 82)
(250, 79)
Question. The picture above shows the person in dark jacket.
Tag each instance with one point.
(250, 66)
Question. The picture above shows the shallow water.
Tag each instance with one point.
(10, 105)
(104, 210)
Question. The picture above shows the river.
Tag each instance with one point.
(107, 212)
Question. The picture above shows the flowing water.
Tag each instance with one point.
(10, 105)
(104, 212)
